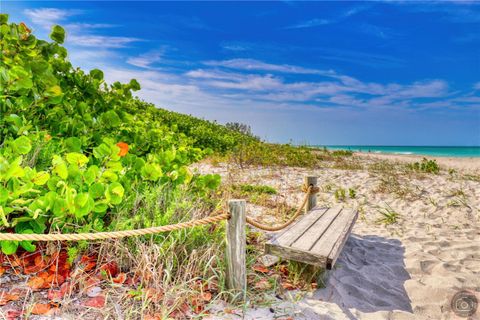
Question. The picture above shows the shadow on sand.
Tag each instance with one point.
(369, 276)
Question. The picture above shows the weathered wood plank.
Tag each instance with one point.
(337, 248)
(290, 253)
(236, 249)
(317, 230)
(287, 237)
(325, 244)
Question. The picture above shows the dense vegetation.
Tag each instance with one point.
(75, 151)
(78, 154)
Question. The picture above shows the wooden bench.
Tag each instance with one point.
(317, 238)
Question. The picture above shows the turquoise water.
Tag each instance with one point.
(427, 151)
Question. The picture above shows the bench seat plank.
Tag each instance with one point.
(317, 238)
(309, 238)
(290, 235)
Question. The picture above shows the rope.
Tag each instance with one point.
(308, 191)
(113, 234)
(141, 232)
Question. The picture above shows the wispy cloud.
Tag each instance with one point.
(252, 64)
(337, 89)
(78, 34)
(476, 86)
(377, 31)
(310, 23)
(465, 12)
(325, 21)
(87, 26)
(102, 41)
(146, 60)
(46, 17)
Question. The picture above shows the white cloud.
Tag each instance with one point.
(98, 41)
(46, 17)
(476, 86)
(87, 26)
(146, 60)
(252, 64)
(310, 23)
(321, 21)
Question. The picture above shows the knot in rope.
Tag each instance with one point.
(310, 189)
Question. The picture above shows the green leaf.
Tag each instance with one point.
(14, 170)
(59, 167)
(115, 193)
(96, 74)
(73, 144)
(91, 174)
(3, 18)
(101, 151)
(3, 194)
(57, 34)
(100, 207)
(134, 85)
(27, 245)
(96, 190)
(151, 172)
(76, 158)
(111, 119)
(9, 247)
(22, 145)
(59, 207)
(41, 178)
(83, 205)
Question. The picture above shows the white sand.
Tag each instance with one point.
(407, 270)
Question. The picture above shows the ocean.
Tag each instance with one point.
(417, 150)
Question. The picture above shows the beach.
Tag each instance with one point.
(408, 269)
(465, 164)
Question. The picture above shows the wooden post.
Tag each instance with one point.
(236, 249)
(312, 199)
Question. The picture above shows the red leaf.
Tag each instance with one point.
(14, 314)
(206, 296)
(36, 283)
(41, 308)
(97, 302)
(7, 297)
(111, 268)
(287, 285)
(260, 268)
(120, 278)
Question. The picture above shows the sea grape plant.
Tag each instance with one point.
(72, 148)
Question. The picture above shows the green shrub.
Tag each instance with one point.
(75, 151)
(257, 189)
(428, 166)
(340, 194)
(342, 153)
(352, 193)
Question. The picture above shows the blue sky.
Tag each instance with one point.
(377, 73)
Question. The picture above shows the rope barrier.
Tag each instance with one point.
(140, 232)
(308, 190)
(112, 234)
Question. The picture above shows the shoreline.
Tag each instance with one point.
(457, 163)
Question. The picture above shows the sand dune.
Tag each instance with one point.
(407, 270)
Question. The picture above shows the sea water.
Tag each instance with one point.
(417, 150)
